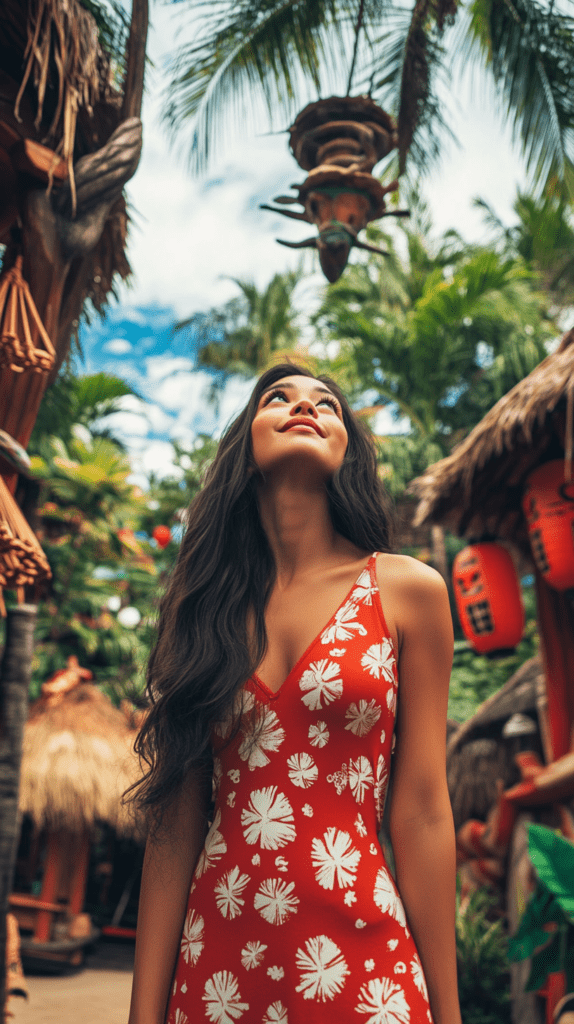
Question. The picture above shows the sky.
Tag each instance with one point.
(191, 234)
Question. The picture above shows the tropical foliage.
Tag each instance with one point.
(287, 52)
(482, 961)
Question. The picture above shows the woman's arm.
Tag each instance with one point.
(421, 824)
(169, 862)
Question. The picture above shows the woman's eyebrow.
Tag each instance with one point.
(286, 387)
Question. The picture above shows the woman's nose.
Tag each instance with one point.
(303, 407)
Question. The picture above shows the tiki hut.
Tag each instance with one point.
(77, 762)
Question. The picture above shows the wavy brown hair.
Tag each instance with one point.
(225, 568)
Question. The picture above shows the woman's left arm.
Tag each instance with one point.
(421, 822)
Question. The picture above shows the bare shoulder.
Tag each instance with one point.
(402, 577)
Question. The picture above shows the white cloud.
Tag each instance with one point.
(118, 346)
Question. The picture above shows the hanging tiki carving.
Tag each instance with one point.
(339, 141)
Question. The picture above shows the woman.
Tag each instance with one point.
(274, 674)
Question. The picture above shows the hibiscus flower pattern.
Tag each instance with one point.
(321, 682)
(323, 969)
(292, 912)
(335, 859)
(268, 820)
(275, 900)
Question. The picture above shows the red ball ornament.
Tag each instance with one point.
(488, 598)
(548, 505)
(162, 534)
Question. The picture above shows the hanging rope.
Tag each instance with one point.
(22, 561)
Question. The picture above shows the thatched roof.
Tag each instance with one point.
(477, 489)
(77, 761)
(478, 754)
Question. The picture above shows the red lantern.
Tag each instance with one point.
(162, 534)
(488, 598)
(548, 505)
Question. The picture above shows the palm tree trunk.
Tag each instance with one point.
(15, 673)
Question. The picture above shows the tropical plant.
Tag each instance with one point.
(71, 400)
(481, 953)
(546, 928)
(240, 337)
(284, 50)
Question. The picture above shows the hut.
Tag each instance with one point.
(77, 762)
(478, 492)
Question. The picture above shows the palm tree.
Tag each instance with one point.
(282, 49)
(240, 337)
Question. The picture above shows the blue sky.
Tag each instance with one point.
(190, 235)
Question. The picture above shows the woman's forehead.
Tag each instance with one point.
(300, 383)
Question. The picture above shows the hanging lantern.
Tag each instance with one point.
(338, 141)
(162, 534)
(548, 505)
(488, 598)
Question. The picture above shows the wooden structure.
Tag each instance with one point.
(338, 141)
(477, 492)
(77, 761)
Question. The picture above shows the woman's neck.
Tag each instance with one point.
(298, 526)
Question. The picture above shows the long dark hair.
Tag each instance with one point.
(225, 569)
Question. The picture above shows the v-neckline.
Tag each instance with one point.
(273, 694)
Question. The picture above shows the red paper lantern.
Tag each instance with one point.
(488, 598)
(548, 505)
(162, 534)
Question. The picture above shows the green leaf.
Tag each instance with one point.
(544, 963)
(541, 909)
(553, 858)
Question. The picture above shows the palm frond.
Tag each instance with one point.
(529, 47)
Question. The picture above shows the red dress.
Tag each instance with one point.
(293, 916)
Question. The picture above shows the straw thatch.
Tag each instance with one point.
(477, 490)
(478, 753)
(77, 761)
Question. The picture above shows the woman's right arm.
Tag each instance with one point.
(169, 863)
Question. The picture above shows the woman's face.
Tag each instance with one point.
(299, 421)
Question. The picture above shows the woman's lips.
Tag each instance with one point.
(302, 423)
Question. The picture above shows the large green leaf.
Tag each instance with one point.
(553, 858)
(542, 909)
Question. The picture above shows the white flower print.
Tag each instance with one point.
(269, 819)
(222, 998)
(323, 969)
(303, 771)
(252, 954)
(216, 777)
(418, 976)
(350, 898)
(385, 1001)
(275, 901)
(374, 849)
(180, 1017)
(369, 965)
(319, 682)
(318, 734)
(307, 810)
(184, 987)
(234, 775)
(364, 589)
(228, 893)
(362, 717)
(231, 799)
(336, 857)
(213, 848)
(400, 967)
(381, 777)
(256, 860)
(360, 825)
(387, 898)
(339, 779)
(359, 923)
(192, 938)
(379, 660)
(391, 699)
(360, 777)
(276, 973)
(344, 624)
(281, 864)
(275, 1014)
(392, 944)
(337, 652)
(383, 735)
(265, 734)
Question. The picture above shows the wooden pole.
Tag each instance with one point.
(79, 875)
(556, 628)
(50, 883)
(15, 674)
